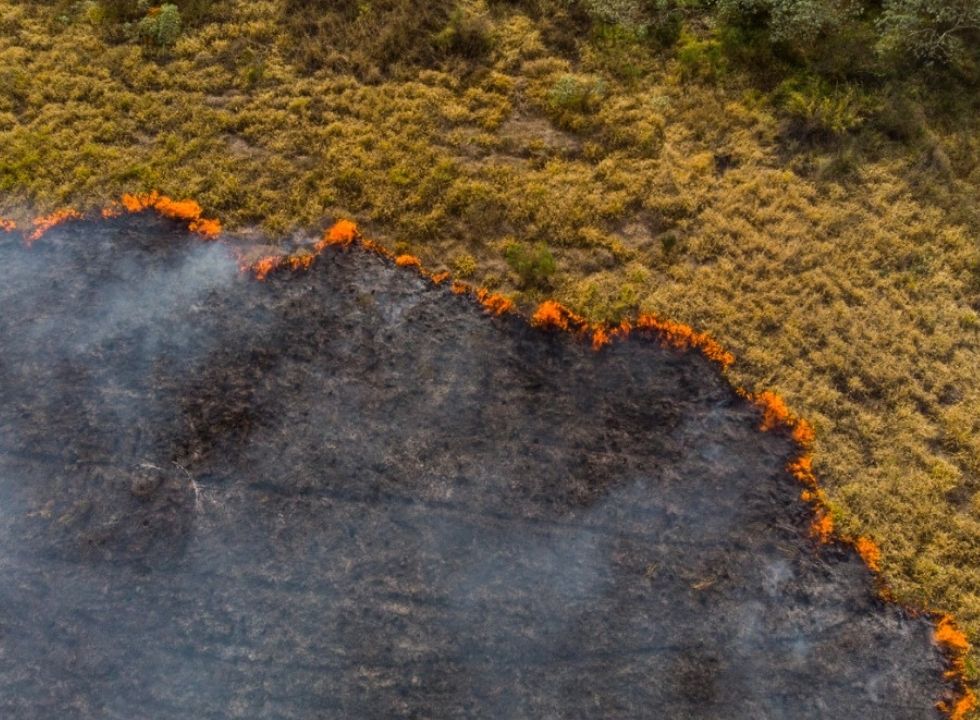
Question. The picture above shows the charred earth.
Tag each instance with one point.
(348, 493)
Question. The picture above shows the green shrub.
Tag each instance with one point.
(117, 11)
(161, 26)
(534, 265)
(616, 12)
(577, 93)
(700, 58)
(468, 32)
(819, 108)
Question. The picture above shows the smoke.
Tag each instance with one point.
(349, 493)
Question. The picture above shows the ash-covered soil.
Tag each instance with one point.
(346, 493)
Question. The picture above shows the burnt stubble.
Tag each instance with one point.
(347, 493)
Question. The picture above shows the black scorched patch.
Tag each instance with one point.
(346, 493)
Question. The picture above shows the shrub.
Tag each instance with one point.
(467, 33)
(161, 26)
(534, 265)
(464, 265)
(700, 58)
(616, 12)
(630, 123)
(114, 11)
(819, 108)
(577, 93)
(573, 98)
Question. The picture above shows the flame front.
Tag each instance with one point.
(187, 210)
(953, 642)
(551, 315)
(46, 222)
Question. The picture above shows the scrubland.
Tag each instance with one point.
(821, 223)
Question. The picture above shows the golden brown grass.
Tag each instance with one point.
(846, 280)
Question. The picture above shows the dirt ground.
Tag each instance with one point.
(349, 493)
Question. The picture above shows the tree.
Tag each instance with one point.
(931, 30)
(790, 20)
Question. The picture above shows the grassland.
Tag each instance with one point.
(827, 236)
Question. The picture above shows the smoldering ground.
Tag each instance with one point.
(348, 493)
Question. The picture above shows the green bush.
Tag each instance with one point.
(616, 12)
(819, 108)
(161, 26)
(116, 11)
(468, 32)
(700, 58)
(534, 265)
(577, 93)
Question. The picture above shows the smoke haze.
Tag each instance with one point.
(346, 493)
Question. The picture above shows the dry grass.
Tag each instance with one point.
(847, 278)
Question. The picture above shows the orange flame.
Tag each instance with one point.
(822, 527)
(962, 707)
(803, 433)
(774, 411)
(187, 210)
(266, 265)
(46, 222)
(408, 261)
(869, 552)
(954, 644)
(552, 315)
(949, 637)
(439, 278)
(682, 336)
(496, 304)
(7, 225)
(802, 469)
(340, 233)
(600, 337)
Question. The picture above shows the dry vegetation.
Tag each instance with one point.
(825, 232)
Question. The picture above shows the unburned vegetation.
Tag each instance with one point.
(802, 185)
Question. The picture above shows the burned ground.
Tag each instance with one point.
(347, 492)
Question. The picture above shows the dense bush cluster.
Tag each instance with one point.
(946, 31)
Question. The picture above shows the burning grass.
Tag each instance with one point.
(186, 210)
(235, 375)
(44, 223)
(553, 316)
(954, 642)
